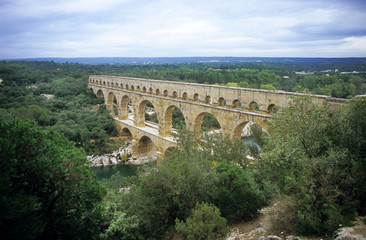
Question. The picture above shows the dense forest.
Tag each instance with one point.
(312, 161)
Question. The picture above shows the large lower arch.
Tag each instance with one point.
(199, 120)
(123, 115)
(169, 119)
(145, 146)
(239, 129)
(100, 94)
(111, 105)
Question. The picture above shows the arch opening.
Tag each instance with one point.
(112, 105)
(185, 96)
(253, 107)
(173, 119)
(251, 134)
(132, 88)
(165, 93)
(272, 109)
(157, 92)
(145, 146)
(150, 90)
(195, 97)
(206, 122)
(125, 107)
(150, 113)
(100, 94)
(175, 94)
(144, 89)
(138, 88)
(236, 104)
(207, 99)
(126, 134)
(221, 102)
(169, 151)
(146, 112)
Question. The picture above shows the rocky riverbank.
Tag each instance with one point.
(121, 156)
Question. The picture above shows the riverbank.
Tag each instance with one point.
(122, 156)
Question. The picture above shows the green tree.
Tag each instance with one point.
(47, 190)
(205, 222)
(303, 159)
(267, 87)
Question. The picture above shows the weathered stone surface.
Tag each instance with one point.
(232, 107)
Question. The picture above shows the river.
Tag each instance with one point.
(107, 171)
(130, 170)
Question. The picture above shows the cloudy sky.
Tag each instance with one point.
(173, 28)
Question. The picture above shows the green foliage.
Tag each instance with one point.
(267, 87)
(205, 222)
(308, 156)
(47, 190)
(193, 172)
(209, 123)
(238, 195)
(121, 227)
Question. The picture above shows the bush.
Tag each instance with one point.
(238, 196)
(205, 222)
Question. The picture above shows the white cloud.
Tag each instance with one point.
(75, 28)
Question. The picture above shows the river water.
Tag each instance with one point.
(107, 171)
(130, 170)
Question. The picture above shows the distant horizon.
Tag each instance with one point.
(268, 57)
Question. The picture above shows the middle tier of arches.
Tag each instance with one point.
(232, 122)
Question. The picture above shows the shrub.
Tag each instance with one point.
(205, 222)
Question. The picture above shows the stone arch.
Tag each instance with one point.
(165, 93)
(185, 96)
(207, 99)
(195, 97)
(111, 105)
(157, 92)
(144, 90)
(168, 150)
(126, 134)
(197, 123)
(132, 88)
(253, 107)
(103, 82)
(127, 87)
(112, 84)
(150, 90)
(271, 109)
(121, 86)
(145, 146)
(175, 94)
(239, 129)
(124, 107)
(167, 123)
(222, 102)
(140, 114)
(100, 94)
(138, 88)
(236, 104)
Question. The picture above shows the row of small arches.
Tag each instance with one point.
(253, 106)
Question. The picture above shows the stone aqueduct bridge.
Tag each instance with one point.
(232, 107)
